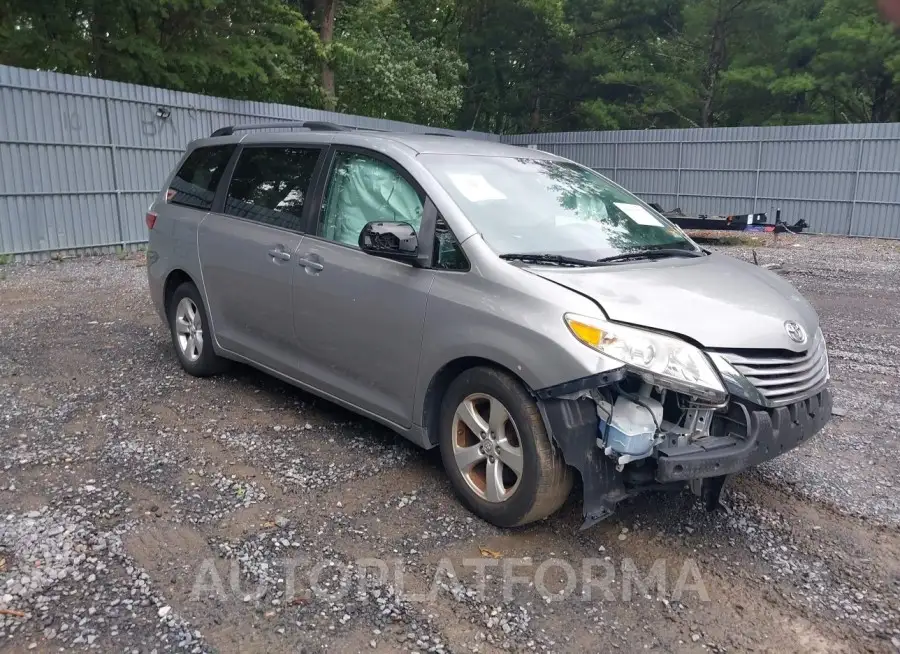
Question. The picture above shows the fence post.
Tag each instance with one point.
(859, 145)
(758, 166)
(616, 163)
(115, 172)
(678, 182)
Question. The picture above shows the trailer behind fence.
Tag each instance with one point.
(81, 159)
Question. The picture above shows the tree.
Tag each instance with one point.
(326, 10)
(817, 61)
(515, 54)
(493, 65)
(263, 50)
(630, 65)
(382, 71)
(712, 39)
(857, 63)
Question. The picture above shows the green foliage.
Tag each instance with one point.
(515, 52)
(262, 50)
(497, 65)
(856, 62)
(381, 70)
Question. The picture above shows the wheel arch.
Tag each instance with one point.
(174, 279)
(437, 386)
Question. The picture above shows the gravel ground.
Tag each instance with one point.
(142, 510)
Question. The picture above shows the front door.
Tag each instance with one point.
(248, 253)
(359, 318)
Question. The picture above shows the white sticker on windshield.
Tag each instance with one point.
(475, 187)
(638, 214)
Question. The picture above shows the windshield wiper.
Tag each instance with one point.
(554, 259)
(658, 253)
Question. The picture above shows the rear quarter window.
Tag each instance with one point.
(194, 185)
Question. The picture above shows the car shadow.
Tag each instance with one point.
(286, 396)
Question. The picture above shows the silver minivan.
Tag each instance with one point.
(526, 315)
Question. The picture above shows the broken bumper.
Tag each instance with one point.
(770, 432)
(763, 434)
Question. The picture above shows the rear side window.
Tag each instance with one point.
(195, 183)
(269, 185)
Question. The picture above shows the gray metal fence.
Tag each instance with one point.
(81, 159)
(841, 179)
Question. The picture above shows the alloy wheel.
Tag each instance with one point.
(189, 329)
(487, 448)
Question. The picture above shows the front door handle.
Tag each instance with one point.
(278, 253)
(309, 264)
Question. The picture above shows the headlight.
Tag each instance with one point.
(659, 359)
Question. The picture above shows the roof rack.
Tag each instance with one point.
(317, 126)
(453, 136)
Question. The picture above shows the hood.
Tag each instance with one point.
(716, 300)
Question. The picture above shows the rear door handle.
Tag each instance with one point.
(310, 264)
(278, 253)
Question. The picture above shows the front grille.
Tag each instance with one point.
(783, 377)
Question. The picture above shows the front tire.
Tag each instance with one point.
(496, 450)
(191, 335)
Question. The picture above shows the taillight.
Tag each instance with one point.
(150, 219)
(170, 194)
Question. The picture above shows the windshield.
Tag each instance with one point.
(522, 205)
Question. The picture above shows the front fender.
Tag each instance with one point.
(520, 331)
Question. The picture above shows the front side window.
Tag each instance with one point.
(448, 253)
(522, 205)
(194, 185)
(363, 189)
(269, 185)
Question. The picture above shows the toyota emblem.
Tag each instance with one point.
(795, 331)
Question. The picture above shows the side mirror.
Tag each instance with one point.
(390, 240)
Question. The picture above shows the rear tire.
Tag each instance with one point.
(191, 335)
(489, 427)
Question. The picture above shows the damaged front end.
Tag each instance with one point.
(633, 429)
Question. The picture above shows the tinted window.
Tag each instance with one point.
(363, 189)
(269, 185)
(195, 183)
